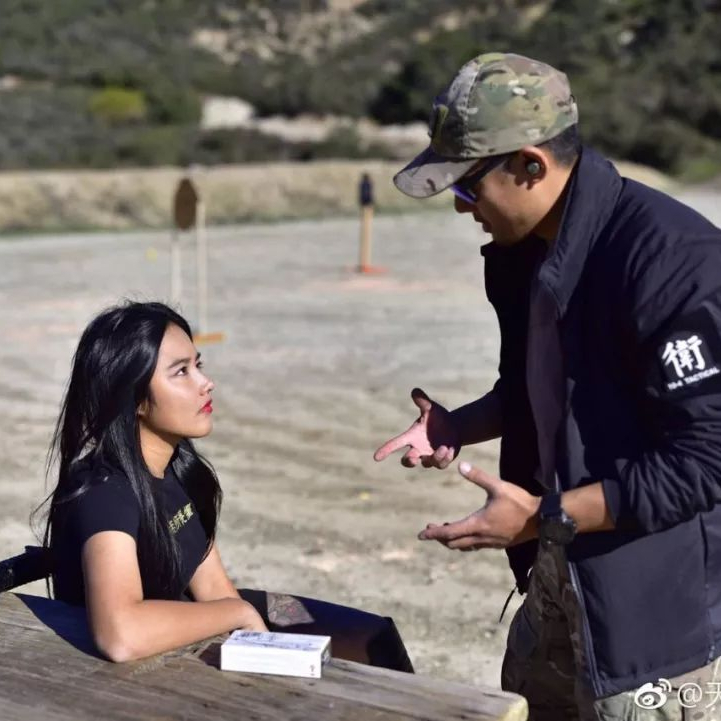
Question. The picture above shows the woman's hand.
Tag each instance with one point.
(250, 619)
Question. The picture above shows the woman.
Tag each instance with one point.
(132, 520)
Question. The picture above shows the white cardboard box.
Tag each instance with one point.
(284, 654)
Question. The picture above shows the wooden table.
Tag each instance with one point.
(49, 669)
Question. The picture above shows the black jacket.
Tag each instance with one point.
(636, 277)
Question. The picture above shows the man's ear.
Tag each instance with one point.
(535, 163)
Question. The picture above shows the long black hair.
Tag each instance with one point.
(98, 425)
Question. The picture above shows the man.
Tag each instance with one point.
(608, 404)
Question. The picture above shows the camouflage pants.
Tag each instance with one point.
(545, 661)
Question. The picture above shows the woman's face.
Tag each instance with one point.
(179, 404)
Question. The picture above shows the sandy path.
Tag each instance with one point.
(314, 373)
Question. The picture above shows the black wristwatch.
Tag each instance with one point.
(555, 526)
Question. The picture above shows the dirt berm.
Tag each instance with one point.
(142, 198)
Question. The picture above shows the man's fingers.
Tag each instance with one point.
(467, 543)
(393, 445)
(443, 456)
(486, 481)
(469, 526)
(411, 459)
(469, 549)
(437, 460)
(421, 400)
(473, 543)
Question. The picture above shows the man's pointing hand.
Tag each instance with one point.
(432, 439)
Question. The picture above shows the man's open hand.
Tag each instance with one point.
(509, 517)
(433, 438)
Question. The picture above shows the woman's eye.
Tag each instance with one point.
(182, 371)
(199, 364)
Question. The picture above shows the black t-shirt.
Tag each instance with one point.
(109, 504)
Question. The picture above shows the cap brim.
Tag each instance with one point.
(429, 174)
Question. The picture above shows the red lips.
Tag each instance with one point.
(207, 408)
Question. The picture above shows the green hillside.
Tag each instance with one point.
(104, 83)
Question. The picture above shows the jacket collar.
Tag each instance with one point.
(591, 199)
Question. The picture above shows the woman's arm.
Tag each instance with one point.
(127, 627)
(210, 580)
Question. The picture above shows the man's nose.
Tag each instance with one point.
(461, 206)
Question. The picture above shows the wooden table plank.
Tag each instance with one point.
(50, 670)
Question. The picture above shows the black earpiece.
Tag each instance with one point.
(533, 168)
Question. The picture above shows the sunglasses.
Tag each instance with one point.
(463, 187)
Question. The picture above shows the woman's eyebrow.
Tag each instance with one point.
(183, 361)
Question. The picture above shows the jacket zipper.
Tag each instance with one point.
(573, 574)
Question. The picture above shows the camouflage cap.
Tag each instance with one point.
(497, 103)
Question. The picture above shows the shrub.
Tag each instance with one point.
(118, 105)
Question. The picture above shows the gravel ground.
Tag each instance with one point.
(314, 373)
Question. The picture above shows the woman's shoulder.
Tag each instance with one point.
(93, 473)
(97, 497)
(100, 490)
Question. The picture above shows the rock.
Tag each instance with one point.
(225, 112)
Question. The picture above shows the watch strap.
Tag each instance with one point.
(550, 506)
